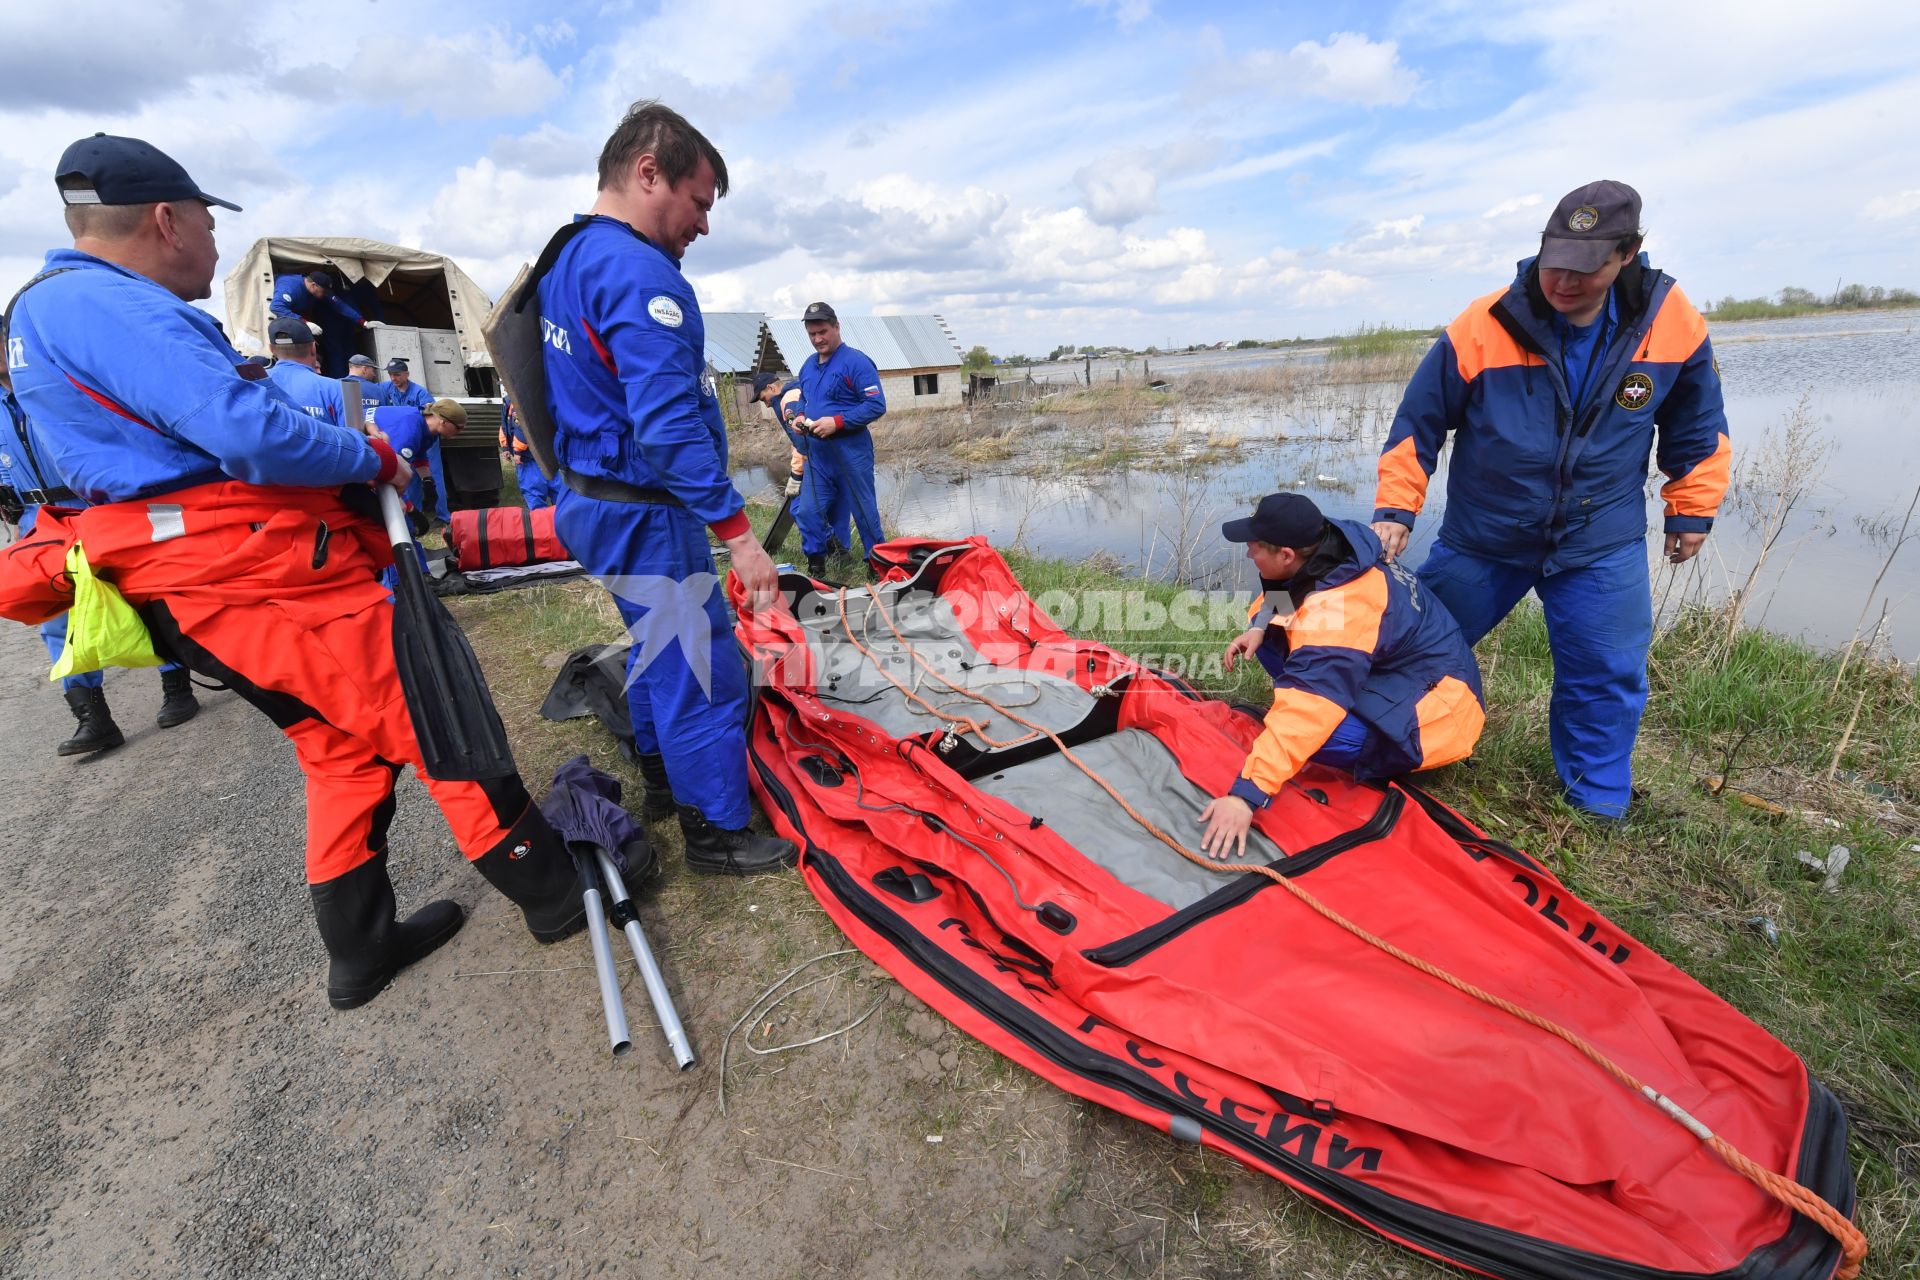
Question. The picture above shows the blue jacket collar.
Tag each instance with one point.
(1525, 312)
(628, 227)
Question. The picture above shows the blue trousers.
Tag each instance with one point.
(441, 511)
(841, 468)
(811, 518)
(535, 488)
(1346, 744)
(53, 633)
(1599, 627)
(686, 682)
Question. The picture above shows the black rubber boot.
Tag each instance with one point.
(817, 568)
(97, 730)
(366, 945)
(532, 868)
(715, 851)
(658, 805)
(178, 705)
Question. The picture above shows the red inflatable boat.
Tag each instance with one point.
(978, 795)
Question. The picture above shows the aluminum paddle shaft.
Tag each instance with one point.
(643, 956)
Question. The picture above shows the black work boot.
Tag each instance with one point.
(715, 851)
(532, 868)
(178, 705)
(366, 946)
(658, 805)
(97, 730)
(817, 567)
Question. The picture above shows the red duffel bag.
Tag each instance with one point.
(489, 537)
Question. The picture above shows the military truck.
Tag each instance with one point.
(429, 312)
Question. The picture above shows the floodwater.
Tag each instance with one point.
(1859, 375)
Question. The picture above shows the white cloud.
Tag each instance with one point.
(1348, 68)
(435, 75)
(1123, 185)
(1256, 166)
(1894, 207)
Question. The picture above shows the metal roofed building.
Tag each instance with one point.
(918, 359)
(738, 342)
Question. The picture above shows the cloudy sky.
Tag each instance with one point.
(1066, 171)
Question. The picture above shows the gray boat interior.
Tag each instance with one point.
(932, 649)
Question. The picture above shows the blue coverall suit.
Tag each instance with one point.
(369, 391)
(17, 473)
(1552, 426)
(418, 397)
(633, 404)
(338, 320)
(535, 489)
(846, 386)
(310, 392)
(815, 539)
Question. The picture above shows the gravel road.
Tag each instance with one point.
(178, 1100)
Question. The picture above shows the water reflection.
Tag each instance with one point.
(1162, 514)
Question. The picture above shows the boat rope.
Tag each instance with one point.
(1852, 1241)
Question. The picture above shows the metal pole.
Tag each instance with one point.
(610, 1000)
(649, 969)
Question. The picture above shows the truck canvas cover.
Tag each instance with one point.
(999, 882)
(250, 283)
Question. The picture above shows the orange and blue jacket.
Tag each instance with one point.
(1364, 638)
(1535, 479)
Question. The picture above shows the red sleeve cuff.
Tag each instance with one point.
(389, 460)
(732, 527)
(839, 421)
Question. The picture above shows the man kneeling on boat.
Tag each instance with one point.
(1370, 674)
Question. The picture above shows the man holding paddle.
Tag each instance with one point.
(225, 514)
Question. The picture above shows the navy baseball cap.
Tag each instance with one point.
(761, 381)
(288, 331)
(1281, 520)
(819, 311)
(320, 278)
(359, 359)
(397, 365)
(1587, 223)
(107, 170)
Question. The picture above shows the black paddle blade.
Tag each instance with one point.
(461, 737)
(777, 532)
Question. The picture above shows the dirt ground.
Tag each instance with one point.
(178, 1099)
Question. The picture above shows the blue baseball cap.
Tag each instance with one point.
(107, 170)
(290, 332)
(1281, 520)
(360, 359)
(397, 365)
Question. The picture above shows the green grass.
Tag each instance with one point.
(1689, 874)
(1853, 299)
(1371, 341)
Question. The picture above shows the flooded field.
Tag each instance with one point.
(1820, 508)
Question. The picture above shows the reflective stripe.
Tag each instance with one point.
(168, 521)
